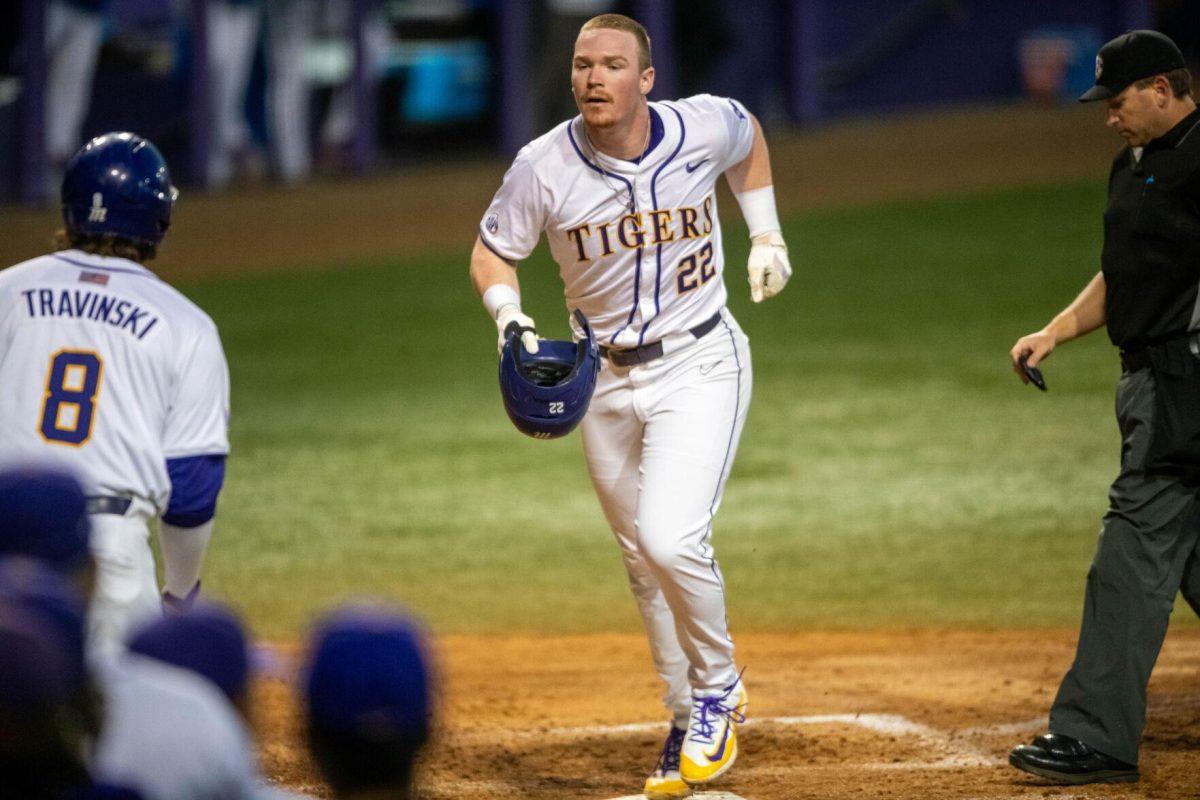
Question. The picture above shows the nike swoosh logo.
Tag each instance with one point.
(704, 370)
(694, 167)
(715, 757)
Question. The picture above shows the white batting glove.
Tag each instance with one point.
(768, 266)
(508, 315)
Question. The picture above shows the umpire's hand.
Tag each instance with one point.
(1034, 348)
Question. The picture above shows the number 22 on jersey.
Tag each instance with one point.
(70, 404)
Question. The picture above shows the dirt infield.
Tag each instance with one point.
(834, 715)
(436, 208)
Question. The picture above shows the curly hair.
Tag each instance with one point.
(105, 245)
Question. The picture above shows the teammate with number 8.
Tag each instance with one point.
(114, 375)
(625, 194)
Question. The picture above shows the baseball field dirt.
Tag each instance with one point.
(911, 714)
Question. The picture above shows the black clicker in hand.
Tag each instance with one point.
(1033, 374)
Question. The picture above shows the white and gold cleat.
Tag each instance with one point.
(665, 782)
(710, 746)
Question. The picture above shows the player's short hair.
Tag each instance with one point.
(105, 245)
(620, 22)
(1179, 79)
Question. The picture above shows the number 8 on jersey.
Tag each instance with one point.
(71, 389)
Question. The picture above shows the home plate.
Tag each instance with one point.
(697, 796)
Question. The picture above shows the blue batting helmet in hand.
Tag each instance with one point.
(118, 184)
(547, 393)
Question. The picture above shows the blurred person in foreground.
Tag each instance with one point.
(367, 691)
(112, 374)
(1147, 293)
(49, 711)
(165, 732)
(209, 641)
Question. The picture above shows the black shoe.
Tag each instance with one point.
(1065, 759)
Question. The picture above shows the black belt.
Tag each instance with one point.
(108, 505)
(649, 352)
(1183, 347)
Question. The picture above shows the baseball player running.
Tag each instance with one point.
(625, 193)
(111, 373)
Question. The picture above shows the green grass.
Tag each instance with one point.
(893, 470)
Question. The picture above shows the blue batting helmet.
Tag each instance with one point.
(547, 393)
(118, 184)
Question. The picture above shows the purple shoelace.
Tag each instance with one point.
(710, 709)
(669, 760)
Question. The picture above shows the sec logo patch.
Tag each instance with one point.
(492, 223)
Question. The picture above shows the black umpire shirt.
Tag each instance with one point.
(1151, 258)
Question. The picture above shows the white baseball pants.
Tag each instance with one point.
(126, 590)
(660, 439)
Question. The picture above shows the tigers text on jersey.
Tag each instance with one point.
(107, 371)
(638, 244)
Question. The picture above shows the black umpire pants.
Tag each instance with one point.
(1147, 552)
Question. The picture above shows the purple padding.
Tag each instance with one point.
(33, 109)
(8, 152)
(879, 54)
(658, 18)
(140, 12)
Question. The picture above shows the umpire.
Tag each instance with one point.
(1147, 294)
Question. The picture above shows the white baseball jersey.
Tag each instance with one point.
(638, 244)
(109, 371)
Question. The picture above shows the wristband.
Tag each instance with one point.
(758, 209)
(499, 295)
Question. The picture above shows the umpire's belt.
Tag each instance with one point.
(117, 506)
(649, 352)
(1184, 347)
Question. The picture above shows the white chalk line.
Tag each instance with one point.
(957, 754)
(879, 723)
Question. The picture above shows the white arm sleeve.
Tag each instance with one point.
(183, 554)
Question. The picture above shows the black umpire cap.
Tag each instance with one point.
(1131, 57)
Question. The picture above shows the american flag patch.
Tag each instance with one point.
(93, 277)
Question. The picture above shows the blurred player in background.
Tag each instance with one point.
(232, 39)
(115, 376)
(625, 194)
(292, 26)
(74, 31)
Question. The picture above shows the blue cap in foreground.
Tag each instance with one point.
(43, 514)
(208, 640)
